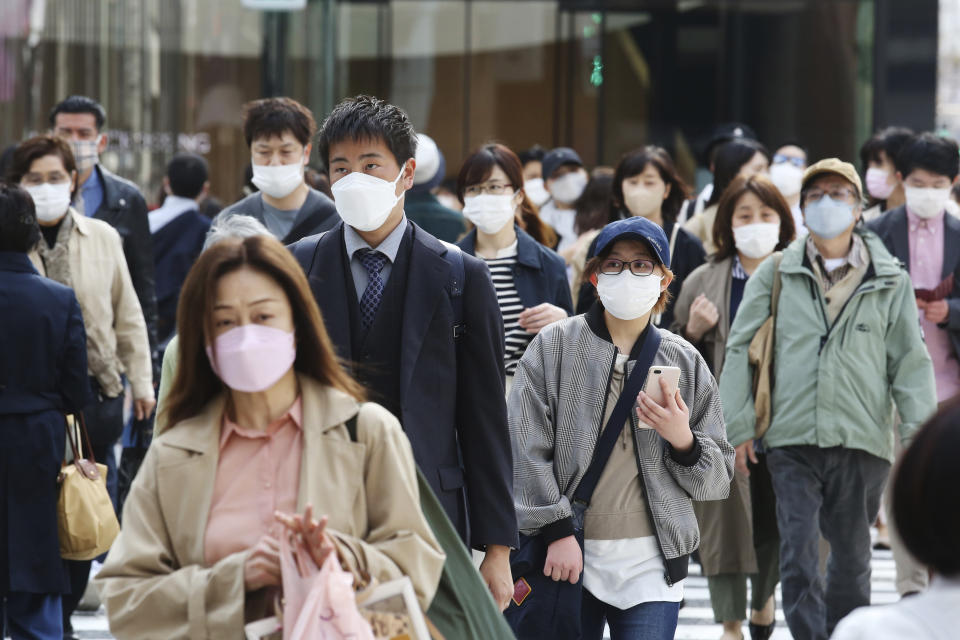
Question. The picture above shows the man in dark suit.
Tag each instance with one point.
(425, 342)
(278, 132)
(80, 120)
(926, 240)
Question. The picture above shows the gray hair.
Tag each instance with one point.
(234, 225)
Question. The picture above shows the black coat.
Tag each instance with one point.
(43, 373)
(452, 404)
(124, 209)
(892, 229)
(540, 275)
(175, 248)
(316, 215)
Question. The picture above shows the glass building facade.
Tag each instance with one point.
(602, 76)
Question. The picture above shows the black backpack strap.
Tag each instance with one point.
(621, 411)
(454, 256)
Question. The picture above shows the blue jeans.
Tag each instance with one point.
(30, 616)
(646, 621)
(834, 491)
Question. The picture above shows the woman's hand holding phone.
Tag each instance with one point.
(671, 420)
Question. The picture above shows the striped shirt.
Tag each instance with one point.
(516, 337)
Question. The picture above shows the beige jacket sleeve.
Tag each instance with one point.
(399, 540)
(148, 594)
(133, 344)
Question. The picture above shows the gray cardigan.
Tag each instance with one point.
(555, 411)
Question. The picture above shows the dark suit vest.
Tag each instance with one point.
(376, 352)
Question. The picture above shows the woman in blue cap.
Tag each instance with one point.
(618, 475)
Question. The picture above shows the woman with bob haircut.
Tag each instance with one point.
(530, 279)
(639, 527)
(259, 415)
(926, 510)
(739, 534)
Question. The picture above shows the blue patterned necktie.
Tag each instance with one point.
(373, 262)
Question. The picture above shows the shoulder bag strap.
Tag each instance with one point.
(621, 412)
(775, 289)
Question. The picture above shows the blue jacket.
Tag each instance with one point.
(175, 248)
(43, 373)
(540, 275)
(452, 404)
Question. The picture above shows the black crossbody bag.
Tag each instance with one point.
(544, 609)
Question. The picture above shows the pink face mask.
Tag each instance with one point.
(252, 357)
(877, 185)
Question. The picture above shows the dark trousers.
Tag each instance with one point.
(836, 492)
(104, 418)
(30, 616)
(646, 621)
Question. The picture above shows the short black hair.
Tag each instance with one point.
(936, 154)
(889, 141)
(533, 154)
(926, 505)
(80, 104)
(729, 160)
(368, 118)
(19, 230)
(187, 173)
(271, 117)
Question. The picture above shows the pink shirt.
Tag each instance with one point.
(926, 271)
(258, 473)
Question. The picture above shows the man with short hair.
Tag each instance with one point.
(786, 173)
(178, 230)
(80, 120)
(278, 132)
(848, 351)
(421, 321)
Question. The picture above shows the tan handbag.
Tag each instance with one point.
(86, 521)
(760, 356)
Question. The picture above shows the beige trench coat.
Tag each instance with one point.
(726, 526)
(155, 584)
(112, 317)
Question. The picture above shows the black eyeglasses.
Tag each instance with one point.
(613, 267)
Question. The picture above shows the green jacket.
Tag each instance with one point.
(834, 386)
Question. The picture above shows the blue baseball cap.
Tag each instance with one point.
(556, 158)
(636, 227)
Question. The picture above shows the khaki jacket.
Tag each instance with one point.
(701, 225)
(155, 583)
(111, 312)
(712, 280)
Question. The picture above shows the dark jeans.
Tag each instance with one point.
(33, 616)
(646, 621)
(835, 492)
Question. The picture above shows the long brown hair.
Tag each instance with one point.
(195, 383)
(477, 169)
(769, 195)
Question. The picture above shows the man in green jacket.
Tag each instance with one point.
(848, 351)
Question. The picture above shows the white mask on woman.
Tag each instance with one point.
(627, 296)
(567, 188)
(490, 213)
(641, 200)
(364, 201)
(50, 200)
(757, 240)
(277, 181)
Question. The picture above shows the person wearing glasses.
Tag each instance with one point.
(640, 527)
(848, 350)
(531, 280)
(86, 254)
(786, 172)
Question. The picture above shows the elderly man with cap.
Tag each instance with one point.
(565, 179)
(848, 351)
(422, 206)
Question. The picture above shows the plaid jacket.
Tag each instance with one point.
(555, 410)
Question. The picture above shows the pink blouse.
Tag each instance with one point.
(258, 473)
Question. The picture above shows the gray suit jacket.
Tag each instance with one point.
(318, 214)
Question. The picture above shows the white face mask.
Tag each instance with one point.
(757, 240)
(567, 188)
(86, 153)
(277, 181)
(642, 201)
(50, 200)
(364, 201)
(627, 296)
(535, 190)
(787, 178)
(488, 212)
(926, 202)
